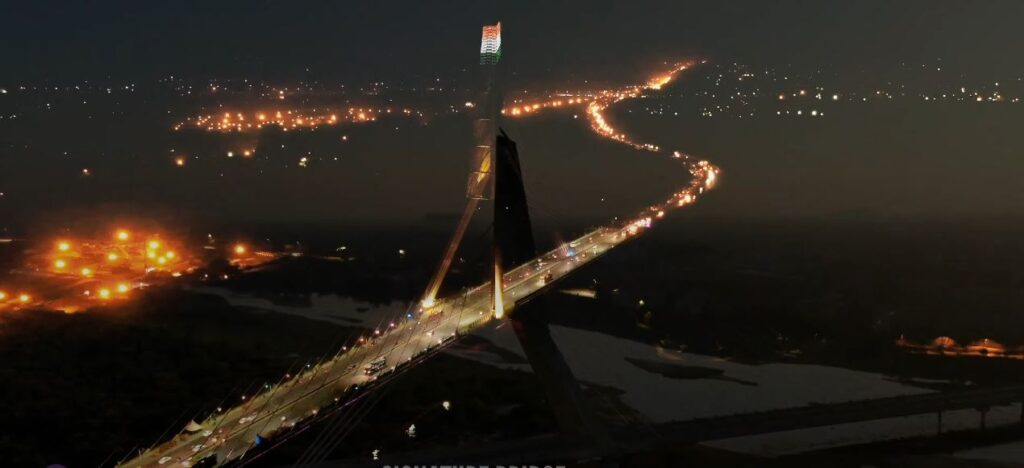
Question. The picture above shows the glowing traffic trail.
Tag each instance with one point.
(701, 171)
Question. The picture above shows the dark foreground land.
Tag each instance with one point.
(85, 388)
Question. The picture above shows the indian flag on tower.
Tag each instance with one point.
(490, 45)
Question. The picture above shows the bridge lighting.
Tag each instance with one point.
(499, 304)
(490, 45)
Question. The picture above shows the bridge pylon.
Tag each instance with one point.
(514, 245)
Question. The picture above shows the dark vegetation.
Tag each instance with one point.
(84, 387)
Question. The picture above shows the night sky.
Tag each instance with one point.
(544, 39)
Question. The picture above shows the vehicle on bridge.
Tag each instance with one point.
(376, 366)
(385, 372)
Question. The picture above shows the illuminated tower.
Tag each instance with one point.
(490, 45)
(482, 162)
(485, 124)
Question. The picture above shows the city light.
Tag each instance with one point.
(112, 261)
(286, 120)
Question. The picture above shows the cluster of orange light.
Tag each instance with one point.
(243, 256)
(115, 263)
(286, 120)
(109, 268)
(529, 108)
(947, 346)
(657, 82)
(125, 248)
(20, 298)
